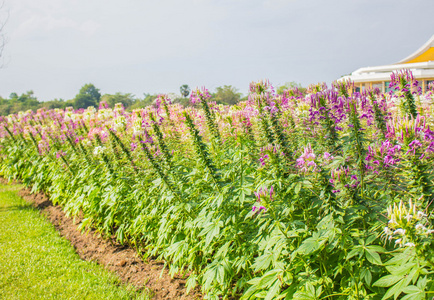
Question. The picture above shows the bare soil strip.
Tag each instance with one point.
(122, 260)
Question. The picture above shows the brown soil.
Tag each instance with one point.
(122, 260)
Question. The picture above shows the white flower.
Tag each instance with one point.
(430, 231)
(409, 217)
(98, 150)
(137, 130)
(392, 220)
(420, 227)
(400, 231)
(409, 245)
(398, 241)
(420, 215)
(387, 231)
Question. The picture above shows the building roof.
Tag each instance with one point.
(421, 63)
(424, 53)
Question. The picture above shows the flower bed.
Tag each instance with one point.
(324, 195)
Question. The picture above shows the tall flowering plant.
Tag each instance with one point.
(404, 82)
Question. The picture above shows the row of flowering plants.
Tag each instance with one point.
(323, 196)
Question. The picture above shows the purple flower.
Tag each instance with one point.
(199, 95)
(258, 209)
(59, 154)
(263, 159)
(415, 144)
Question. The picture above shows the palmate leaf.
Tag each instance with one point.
(402, 284)
(218, 272)
(269, 278)
(395, 290)
(414, 293)
(191, 282)
(211, 230)
(268, 286)
(312, 244)
(263, 262)
(274, 291)
(310, 293)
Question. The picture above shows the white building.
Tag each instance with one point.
(421, 64)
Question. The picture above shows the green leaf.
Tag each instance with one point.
(219, 200)
(247, 191)
(387, 280)
(395, 290)
(311, 244)
(254, 281)
(309, 294)
(370, 239)
(263, 262)
(355, 251)
(210, 275)
(373, 257)
(211, 230)
(269, 278)
(273, 291)
(400, 270)
(367, 275)
(414, 293)
(191, 282)
(297, 188)
(221, 274)
(251, 291)
(376, 248)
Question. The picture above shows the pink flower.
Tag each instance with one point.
(199, 95)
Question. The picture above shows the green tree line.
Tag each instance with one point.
(89, 95)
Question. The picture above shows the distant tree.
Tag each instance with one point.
(126, 99)
(185, 90)
(55, 103)
(23, 102)
(289, 85)
(146, 101)
(89, 95)
(227, 95)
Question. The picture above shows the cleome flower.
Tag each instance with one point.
(306, 162)
(199, 95)
(98, 150)
(263, 199)
(405, 224)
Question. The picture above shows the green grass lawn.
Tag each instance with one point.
(37, 263)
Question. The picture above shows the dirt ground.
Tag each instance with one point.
(122, 260)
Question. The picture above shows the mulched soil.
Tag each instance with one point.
(120, 259)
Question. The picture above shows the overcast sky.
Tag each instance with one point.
(138, 46)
